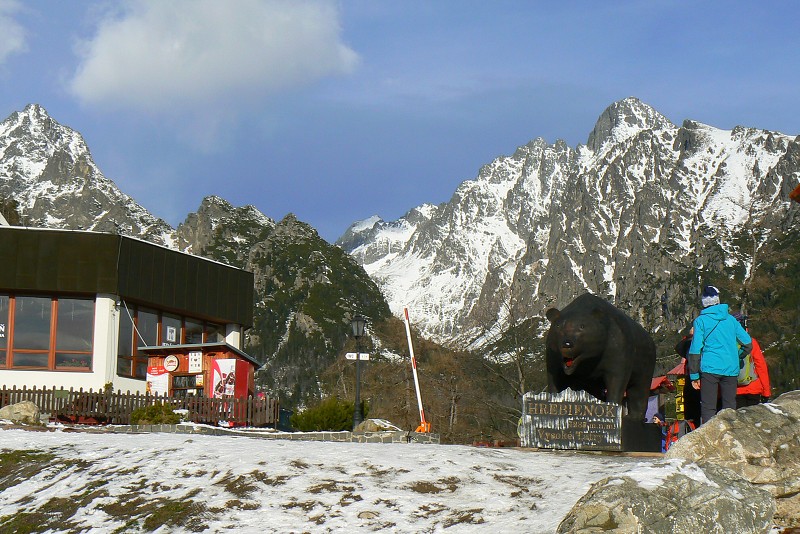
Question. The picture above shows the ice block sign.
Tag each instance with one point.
(572, 420)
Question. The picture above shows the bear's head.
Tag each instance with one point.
(579, 336)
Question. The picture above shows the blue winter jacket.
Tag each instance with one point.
(714, 341)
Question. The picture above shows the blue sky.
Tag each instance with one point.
(339, 110)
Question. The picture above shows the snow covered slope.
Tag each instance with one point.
(644, 208)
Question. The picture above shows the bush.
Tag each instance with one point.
(331, 414)
(156, 414)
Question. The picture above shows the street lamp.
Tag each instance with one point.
(358, 324)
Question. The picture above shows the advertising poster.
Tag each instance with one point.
(157, 380)
(223, 377)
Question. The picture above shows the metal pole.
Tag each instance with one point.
(357, 416)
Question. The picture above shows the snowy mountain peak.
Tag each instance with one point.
(629, 218)
(31, 137)
(624, 119)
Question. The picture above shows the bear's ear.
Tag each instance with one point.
(552, 314)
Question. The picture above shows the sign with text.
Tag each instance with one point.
(571, 420)
(195, 362)
(361, 356)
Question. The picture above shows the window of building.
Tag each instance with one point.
(141, 327)
(194, 332)
(125, 343)
(32, 324)
(52, 333)
(74, 326)
(147, 325)
(214, 333)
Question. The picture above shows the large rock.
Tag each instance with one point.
(760, 443)
(376, 425)
(739, 472)
(23, 412)
(669, 497)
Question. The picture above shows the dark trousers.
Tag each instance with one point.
(747, 400)
(713, 386)
(691, 402)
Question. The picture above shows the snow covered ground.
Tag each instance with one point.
(61, 480)
(101, 482)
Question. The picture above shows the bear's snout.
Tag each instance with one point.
(567, 344)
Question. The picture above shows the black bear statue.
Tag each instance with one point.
(594, 347)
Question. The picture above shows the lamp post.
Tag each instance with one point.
(358, 324)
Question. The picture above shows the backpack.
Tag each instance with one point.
(747, 370)
(677, 430)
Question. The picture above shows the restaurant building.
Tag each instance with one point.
(87, 309)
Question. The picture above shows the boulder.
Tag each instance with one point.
(760, 443)
(376, 425)
(672, 496)
(739, 472)
(23, 412)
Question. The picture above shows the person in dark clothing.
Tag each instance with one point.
(691, 396)
(714, 356)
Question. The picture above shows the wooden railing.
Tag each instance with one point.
(107, 407)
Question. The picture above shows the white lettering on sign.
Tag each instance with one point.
(2, 330)
(361, 356)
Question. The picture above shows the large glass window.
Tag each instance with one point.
(141, 327)
(126, 334)
(125, 342)
(194, 332)
(214, 333)
(147, 325)
(75, 323)
(32, 323)
(46, 332)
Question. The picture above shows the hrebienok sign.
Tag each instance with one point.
(573, 420)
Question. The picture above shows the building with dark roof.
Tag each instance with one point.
(85, 309)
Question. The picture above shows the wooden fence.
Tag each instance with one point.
(107, 407)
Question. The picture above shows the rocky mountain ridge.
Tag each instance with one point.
(643, 214)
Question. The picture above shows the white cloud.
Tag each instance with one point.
(186, 54)
(12, 34)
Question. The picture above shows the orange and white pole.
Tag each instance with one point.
(424, 426)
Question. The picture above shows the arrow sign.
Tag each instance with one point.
(361, 356)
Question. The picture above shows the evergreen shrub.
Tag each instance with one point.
(156, 414)
(331, 415)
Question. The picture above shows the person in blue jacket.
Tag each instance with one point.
(714, 356)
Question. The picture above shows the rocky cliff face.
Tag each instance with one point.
(644, 209)
(48, 170)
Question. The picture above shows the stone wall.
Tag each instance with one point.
(400, 436)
